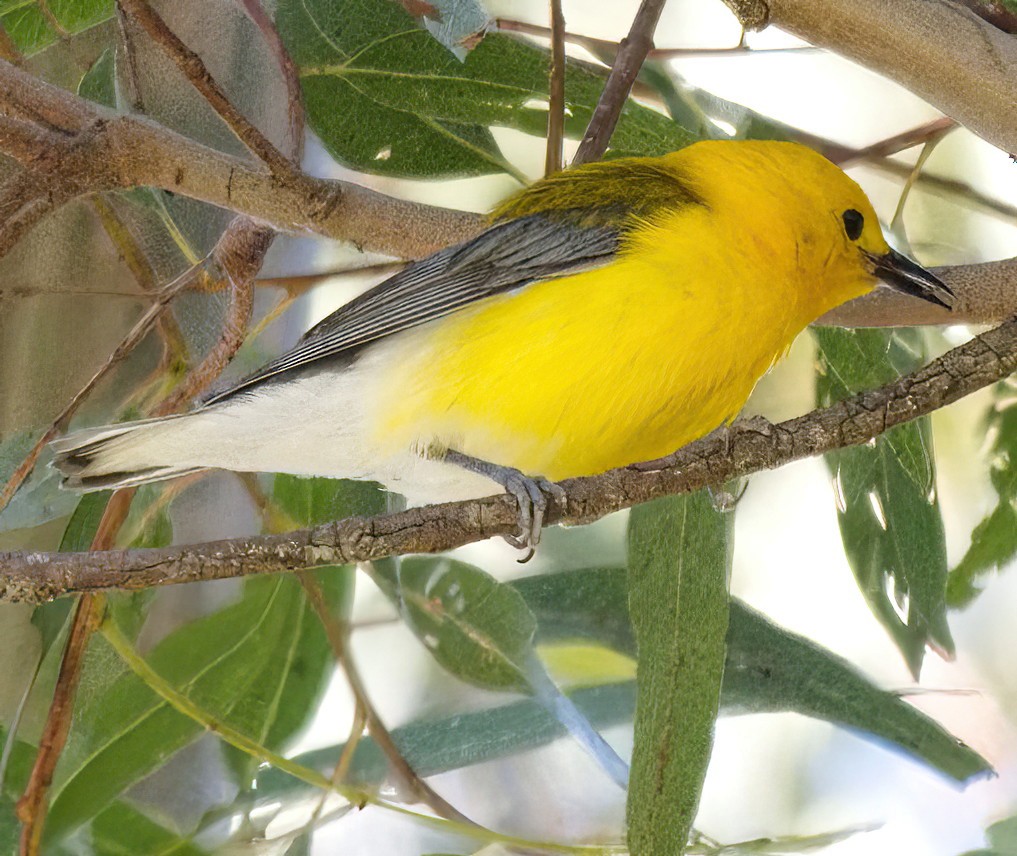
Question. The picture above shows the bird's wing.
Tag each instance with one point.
(508, 255)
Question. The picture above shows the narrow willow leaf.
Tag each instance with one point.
(889, 515)
(994, 540)
(436, 745)
(31, 29)
(767, 669)
(385, 97)
(679, 561)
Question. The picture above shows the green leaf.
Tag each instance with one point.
(124, 831)
(994, 540)
(771, 669)
(32, 29)
(385, 97)
(99, 84)
(312, 501)
(767, 668)
(478, 629)
(240, 664)
(679, 562)
(889, 516)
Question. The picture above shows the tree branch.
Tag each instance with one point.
(743, 449)
(631, 53)
(92, 149)
(195, 70)
(942, 52)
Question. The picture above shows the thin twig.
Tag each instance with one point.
(338, 637)
(31, 808)
(297, 283)
(248, 243)
(631, 53)
(556, 92)
(195, 70)
(291, 76)
(239, 251)
(924, 133)
(744, 449)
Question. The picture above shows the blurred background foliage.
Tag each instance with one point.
(212, 717)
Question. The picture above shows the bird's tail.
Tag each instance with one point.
(116, 456)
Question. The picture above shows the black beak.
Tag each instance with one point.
(903, 275)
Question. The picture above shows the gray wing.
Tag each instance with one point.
(506, 256)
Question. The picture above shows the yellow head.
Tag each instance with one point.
(804, 213)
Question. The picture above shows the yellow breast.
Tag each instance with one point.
(619, 364)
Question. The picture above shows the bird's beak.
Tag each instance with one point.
(901, 274)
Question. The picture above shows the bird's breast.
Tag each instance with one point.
(581, 374)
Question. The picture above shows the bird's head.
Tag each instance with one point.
(781, 194)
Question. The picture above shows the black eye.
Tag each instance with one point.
(854, 222)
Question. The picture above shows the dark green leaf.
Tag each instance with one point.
(767, 669)
(477, 628)
(994, 540)
(771, 669)
(434, 746)
(385, 97)
(679, 562)
(889, 516)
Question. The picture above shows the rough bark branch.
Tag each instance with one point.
(744, 449)
(89, 148)
(941, 51)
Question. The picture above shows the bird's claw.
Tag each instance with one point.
(532, 496)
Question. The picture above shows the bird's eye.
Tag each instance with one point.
(854, 222)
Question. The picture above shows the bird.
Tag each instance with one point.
(608, 314)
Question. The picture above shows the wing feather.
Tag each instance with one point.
(509, 255)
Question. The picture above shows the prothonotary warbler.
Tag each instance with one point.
(608, 314)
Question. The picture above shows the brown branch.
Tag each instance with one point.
(195, 70)
(985, 293)
(32, 807)
(556, 92)
(291, 76)
(96, 149)
(631, 53)
(242, 250)
(944, 53)
(338, 637)
(744, 449)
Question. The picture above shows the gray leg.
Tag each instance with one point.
(529, 493)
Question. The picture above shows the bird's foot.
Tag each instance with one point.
(531, 494)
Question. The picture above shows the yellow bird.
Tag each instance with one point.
(609, 314)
